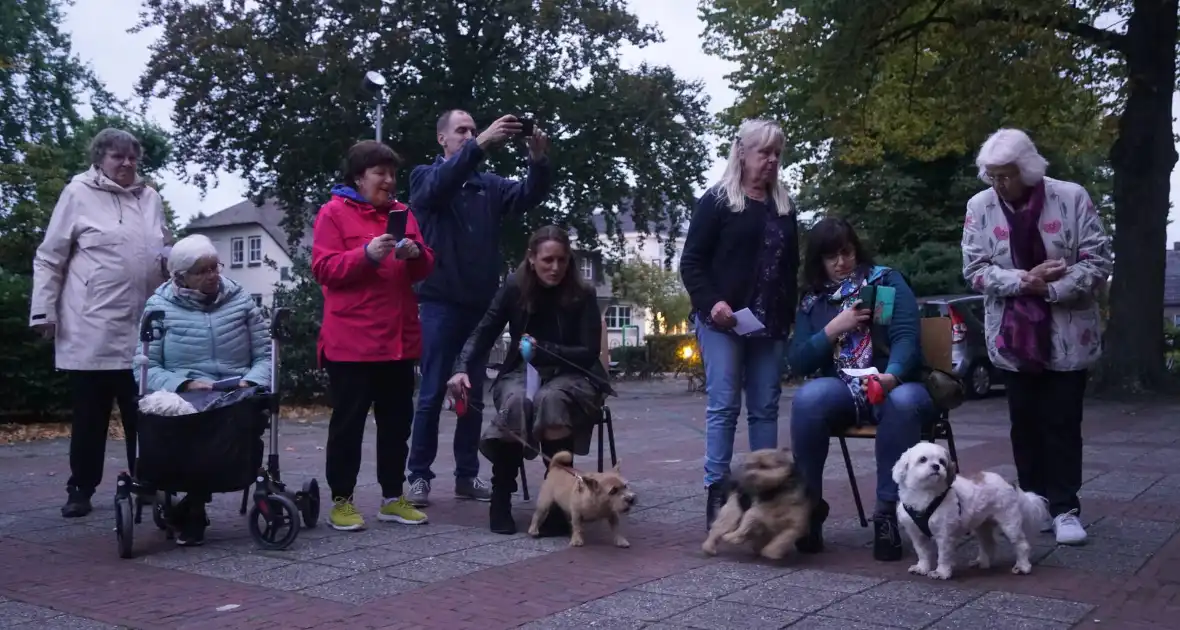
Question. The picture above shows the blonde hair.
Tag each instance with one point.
(753, 135)
(1011, 146)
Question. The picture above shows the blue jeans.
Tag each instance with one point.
(732, 364)
(825, 405)
(445, 329)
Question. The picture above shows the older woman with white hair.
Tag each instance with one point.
(742, 253)
(1037, 249)
(213, 332)
(98, 262)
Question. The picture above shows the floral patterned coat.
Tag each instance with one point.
(1071, 229)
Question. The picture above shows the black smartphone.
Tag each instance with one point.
(527, 126)
(868, 296)
(395, 225)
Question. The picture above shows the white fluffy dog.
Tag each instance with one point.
(937, 508)
(165, 404)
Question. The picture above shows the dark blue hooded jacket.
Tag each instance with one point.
(460, 209)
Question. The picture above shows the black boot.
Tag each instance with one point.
(77, 503)
(813, 542)
(717, 495)
(886, 537)
(194, 520)
(557, 522)
(505, 465)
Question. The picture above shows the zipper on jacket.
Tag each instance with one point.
(212, 340)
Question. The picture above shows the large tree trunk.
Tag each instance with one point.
(1143, 157)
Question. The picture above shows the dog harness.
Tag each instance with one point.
(922, 517)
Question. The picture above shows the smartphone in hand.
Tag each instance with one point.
(395, 224)
(527, 126)
(867, 296)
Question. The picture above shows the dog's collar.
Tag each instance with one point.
(921, 518)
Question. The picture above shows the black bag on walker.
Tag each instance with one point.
(218, 449)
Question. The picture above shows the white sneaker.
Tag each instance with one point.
(1068, 529)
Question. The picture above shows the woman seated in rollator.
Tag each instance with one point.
(550, 311)
(213, 332)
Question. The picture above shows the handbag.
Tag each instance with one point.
(945, 389)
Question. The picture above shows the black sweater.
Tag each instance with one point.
(573, 333)
(721, 252)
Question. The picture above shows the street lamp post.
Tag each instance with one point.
(375, 83)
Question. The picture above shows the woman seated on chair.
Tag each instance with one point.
(833, 333)
(558, 315)
(213, 331)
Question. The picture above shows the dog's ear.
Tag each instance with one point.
(587, 483)
(901, 468)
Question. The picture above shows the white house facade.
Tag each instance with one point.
(252, 244)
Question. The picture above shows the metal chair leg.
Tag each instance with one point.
(245, 499)
(950, 441)
(610, 435)
(524, 482)
(860, 508)
(601, 421)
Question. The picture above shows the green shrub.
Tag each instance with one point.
(32, 389)
(664, 351)
(301, 380)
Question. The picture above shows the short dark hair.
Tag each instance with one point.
(363, 156)
(571, 290)
(827, 238)
(445, 120)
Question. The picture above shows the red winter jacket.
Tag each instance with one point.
(370, 310)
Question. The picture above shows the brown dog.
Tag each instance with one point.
(584, 497)
(767, 507)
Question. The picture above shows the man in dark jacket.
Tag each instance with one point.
(460, 210)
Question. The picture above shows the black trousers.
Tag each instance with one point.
(1046, 414)
(388, 388)
(94, 392)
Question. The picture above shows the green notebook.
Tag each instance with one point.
(883, 305)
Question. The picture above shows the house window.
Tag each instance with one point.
(255, 250)
(655, 262)
(257, 297)
(237, 252)
(618, 316)
(1176, 319)
(586, 266)
(285, 274)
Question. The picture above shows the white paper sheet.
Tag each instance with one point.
(746, 322)
(532, 381)
(854, 373)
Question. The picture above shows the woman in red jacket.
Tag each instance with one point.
(370, 337)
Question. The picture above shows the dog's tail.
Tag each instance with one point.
(1034, 510)
(564, 459)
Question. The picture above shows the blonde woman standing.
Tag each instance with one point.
(742, 251)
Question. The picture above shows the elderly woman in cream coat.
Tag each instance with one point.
(212, 331)
(1036, 247)
(100, 259)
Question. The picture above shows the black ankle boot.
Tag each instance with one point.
(886, 538)
(77, 503)
(813, 542)
(717, 495)
(506, 462)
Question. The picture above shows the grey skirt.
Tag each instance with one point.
(564, 400)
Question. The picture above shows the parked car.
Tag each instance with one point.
(969, 358)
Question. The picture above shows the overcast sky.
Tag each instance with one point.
(100, 37)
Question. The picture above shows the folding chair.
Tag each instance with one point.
(605, 425)
(936, 351)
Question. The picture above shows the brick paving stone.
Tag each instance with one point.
(640, 605)
(817, 622)
(573, 620)
(829, 581)
(433, 569)
(363, 588)
(735, 616)
(776, 594)
(14, 613)
(1093, 560)
(977, 619)
(869, 609)
(698, 585)
(231, 567)
(494, 555)
(924, 592)
(666, 516)
(294, 577)
(366, 559)
(66, 622)
(1037, 607)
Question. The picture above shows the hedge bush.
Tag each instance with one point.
(664, 351)
(31, 388)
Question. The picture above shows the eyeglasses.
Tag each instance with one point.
(1000, 178)
(208, 271)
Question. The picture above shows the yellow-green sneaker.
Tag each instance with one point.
(399, 510)
(345, 517)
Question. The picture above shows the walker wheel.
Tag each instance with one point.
(274, 522)
(124, 526)
(309, 503)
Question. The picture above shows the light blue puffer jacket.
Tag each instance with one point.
(215, 341)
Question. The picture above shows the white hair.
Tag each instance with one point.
(1011, 146)
(753, 135)
(187, 251)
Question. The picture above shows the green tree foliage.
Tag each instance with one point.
(273, 91)
(655, 288)
(861, 84)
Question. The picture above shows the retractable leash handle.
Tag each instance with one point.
(151, 328)
(526, 349)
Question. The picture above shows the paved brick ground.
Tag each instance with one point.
(453, 574)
